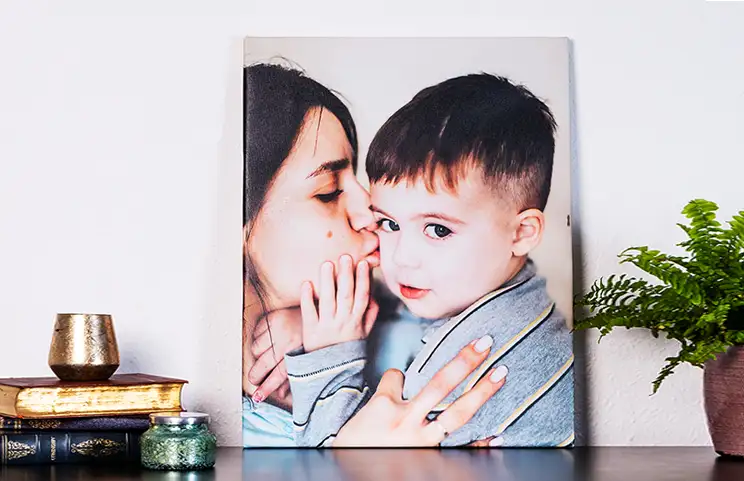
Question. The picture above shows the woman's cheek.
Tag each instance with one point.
(295, 258)
(321, 247)
(328, 243)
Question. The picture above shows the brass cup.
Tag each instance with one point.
(84, 347)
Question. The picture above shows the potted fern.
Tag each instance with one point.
(698, 301)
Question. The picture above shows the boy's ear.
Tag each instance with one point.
(529, 231)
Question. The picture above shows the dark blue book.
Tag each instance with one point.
(100, 423)
(63, 447)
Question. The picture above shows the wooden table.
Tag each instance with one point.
(601, 464)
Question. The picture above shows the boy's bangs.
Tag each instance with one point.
(437, 175)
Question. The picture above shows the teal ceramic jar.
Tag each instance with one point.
(178, 441)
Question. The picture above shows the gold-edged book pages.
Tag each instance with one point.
(121, 394)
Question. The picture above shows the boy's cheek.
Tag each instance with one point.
(386, 250)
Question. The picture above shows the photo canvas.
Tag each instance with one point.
(407, 212)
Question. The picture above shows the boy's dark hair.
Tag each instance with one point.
(476, 120)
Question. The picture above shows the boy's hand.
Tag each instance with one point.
(344, 313)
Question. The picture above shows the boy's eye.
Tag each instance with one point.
(388, 225)
(437, 231)
(329, 197)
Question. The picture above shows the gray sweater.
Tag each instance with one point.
(533, 409)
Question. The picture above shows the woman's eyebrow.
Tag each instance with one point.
(330, 166)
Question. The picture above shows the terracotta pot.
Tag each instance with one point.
(724, 401)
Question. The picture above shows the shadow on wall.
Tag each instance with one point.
(582, 388)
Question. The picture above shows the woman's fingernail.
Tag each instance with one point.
(483, 343)
(499, 373)
(257, 397)
(496, 442)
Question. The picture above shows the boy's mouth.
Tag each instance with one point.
(410, 292)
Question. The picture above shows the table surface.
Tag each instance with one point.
(601, 464)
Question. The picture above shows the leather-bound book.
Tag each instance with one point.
(96, 423)
(120, 395)
(109, 447)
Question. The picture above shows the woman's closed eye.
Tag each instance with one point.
(437, 231)
(388, 225)
(329, 197)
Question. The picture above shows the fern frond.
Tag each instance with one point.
(698, 300)
(666, 270)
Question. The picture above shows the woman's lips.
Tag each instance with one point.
(412, 292)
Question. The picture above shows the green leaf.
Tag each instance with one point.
(697, 298)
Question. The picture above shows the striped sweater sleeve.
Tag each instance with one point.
(328, 387)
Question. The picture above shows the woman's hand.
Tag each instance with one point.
(276, 334)
(387, 420)
(343, 314)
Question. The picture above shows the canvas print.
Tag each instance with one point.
(406, 243)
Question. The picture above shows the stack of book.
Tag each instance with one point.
(47, 421)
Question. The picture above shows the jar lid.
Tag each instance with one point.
(177, 418)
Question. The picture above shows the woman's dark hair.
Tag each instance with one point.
(276, 100)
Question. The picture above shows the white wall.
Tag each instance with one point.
(120, 191)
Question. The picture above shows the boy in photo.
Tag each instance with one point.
(459, 179)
